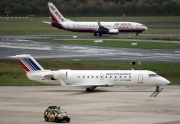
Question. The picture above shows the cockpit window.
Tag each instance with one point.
(153, 75)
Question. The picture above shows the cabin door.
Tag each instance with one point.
(140, 78)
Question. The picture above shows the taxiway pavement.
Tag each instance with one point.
(111, 105)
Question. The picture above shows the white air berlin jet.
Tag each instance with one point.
(89, 79)
(99, 28)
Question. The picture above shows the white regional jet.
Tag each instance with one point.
(99, 28)
(89, 79)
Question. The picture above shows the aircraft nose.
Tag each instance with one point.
(163, 81)
(145, 28)
(167, 81)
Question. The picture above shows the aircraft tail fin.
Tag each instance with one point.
(29, 63)
(56, 16)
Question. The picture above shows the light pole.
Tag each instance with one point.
(7, 14)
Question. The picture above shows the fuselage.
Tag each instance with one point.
(93, 26)
(99, 28)
(88, 78)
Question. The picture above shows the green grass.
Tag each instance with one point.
(12, 74)
(116, 43)
(162, 31)
(167, 38)
(20, 82)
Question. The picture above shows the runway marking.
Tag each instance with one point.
(155, 93)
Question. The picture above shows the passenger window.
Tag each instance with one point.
(96, 76)
(92, 76)
(124, 76)
(83, 76)
(129, 76)
(87, 76)
(110, 76)
(115, 76)
(78, 76)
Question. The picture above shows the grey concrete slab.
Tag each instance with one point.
(115, 105)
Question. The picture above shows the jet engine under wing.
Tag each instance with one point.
(104, 30)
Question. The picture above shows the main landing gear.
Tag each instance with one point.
(137, 33)
(100, 34)
(90, 89)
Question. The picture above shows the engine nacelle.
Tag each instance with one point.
(113, 31)
(60, 74)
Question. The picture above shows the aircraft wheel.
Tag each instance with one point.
(56, 120)
(95, 34)
(100, 34)
(157, 89)
(88, 90)
(68, 120)
(46, 118)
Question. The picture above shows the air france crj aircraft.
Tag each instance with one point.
(89, 79)
(99, 28)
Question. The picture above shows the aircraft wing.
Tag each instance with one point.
(46, 22)
(104, 30)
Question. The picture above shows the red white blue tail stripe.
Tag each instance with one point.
(29, 63)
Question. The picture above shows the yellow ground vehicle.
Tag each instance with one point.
(55, 113)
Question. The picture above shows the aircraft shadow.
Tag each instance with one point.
(78, 92)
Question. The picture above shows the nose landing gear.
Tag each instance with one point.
(156, 92)
(157, 89)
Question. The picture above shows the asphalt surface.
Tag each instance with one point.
(13, 45)
(111, 105)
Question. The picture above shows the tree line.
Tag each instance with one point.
(83, 8)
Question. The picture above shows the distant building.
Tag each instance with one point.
(95, 1)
